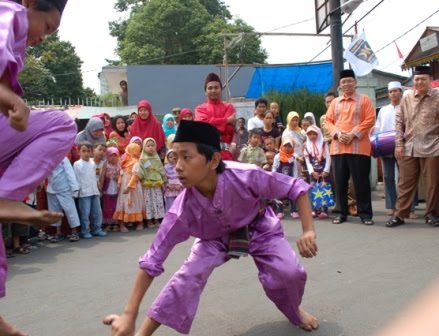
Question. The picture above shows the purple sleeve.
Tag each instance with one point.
(13, 36)
(173, 230)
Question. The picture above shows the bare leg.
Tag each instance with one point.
(18, 212)
(6, 329)
(148, 327)
(309, 322)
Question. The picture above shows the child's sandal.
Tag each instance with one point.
(21, 250)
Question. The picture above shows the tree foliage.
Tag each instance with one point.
(181, 32)
(36, 80)
(64, 65)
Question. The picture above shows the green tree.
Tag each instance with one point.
(180, 32)
(60, 58)
(246, 50)
(36, 80)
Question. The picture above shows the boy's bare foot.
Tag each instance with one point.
(412, 215)
(309, 322)
(18, 212)
(6, 329)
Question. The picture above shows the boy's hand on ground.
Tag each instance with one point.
(307, 244)
(121, 325)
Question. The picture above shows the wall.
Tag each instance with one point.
(169, 86)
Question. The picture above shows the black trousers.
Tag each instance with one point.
(357, 166)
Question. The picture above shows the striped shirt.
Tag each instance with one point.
(354, 114)
(417, 124)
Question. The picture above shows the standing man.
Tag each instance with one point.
(258, 120)
(219, 114)
(386, 122)
(349, 120)
(417, 147)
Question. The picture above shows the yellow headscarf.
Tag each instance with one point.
(291, 115)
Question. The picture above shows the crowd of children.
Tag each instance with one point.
(296, 151)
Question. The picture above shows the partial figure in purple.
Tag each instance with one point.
(33, 142)
(210, 209)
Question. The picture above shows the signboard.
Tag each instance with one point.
(322, 15)
(428, 42)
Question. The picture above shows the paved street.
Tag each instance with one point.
(361, 278)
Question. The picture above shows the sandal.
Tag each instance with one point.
(74, 237)
(21, 250)
(367, 221)
(57, 238)
(10, 253)
(395, 221)
(339, 219)
(432, 220)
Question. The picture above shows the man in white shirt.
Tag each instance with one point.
(386, 122)
(258, 120)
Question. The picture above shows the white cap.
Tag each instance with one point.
(394, 85)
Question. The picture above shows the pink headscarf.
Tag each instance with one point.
(314, 148)
(149, 127)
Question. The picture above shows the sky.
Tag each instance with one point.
(85, 25)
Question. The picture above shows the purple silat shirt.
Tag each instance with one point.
(238, 198)
(13, 36)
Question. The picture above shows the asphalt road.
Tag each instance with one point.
(360, 279)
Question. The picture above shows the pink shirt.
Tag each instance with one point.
(236, 203)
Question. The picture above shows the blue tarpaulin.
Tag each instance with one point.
(315, 77)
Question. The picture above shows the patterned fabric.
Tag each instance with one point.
(417, 124)
(154, 203)
(130, 207)
(173, 186)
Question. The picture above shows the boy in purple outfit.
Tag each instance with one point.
(210, 209)
(34, 142)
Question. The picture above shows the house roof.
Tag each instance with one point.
(424, 52)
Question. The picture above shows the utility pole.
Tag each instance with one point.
(336, 41)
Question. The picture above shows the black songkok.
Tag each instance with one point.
(198, 132)
(347, 73)
(423, 70)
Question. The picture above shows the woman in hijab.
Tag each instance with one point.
(146, 125)
(93, 133)
(168, 124)
(105, 117)
(119, 133)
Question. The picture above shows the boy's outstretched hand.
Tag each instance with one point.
(121, 325)
(307, 244)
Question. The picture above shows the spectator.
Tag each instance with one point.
(349, 120)
(258, 120)
(417, 147)
(219, 114)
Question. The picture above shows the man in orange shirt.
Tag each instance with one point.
(349, 119)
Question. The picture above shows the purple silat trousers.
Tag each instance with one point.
(27, 158)
(280, 273)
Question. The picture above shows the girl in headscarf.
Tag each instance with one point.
(285, 163)
(185, 114)
(318, 161)
(153, 177)
(93, 133)
(173, 186)
(106, 119)
(146, 125)
(293, 131)
(130, 206)
(119, 133)
(168, 125)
